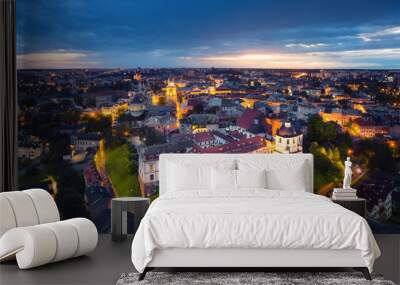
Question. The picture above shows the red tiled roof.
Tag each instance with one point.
(91, 175)
(242, 146)
(223, 136)
(237, 135)
(247, 119)
(203, 137)
(368, 123)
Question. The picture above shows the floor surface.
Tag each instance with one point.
(103, 266)
(110, 259)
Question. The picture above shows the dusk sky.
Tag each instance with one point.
(208, 33)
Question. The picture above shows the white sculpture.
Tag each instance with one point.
(347, 174)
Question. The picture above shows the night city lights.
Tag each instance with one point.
(96, 109)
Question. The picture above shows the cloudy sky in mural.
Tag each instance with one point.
(230, 33)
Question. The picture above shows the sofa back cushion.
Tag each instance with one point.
(26, 208)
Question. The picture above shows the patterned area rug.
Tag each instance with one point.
(242, 278)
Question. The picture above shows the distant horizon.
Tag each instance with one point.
(267, 34)
(238, 68)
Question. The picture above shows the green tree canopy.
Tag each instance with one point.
(100, 124)
(377, 155)
(320, 131)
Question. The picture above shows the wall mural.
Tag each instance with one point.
(92, 123)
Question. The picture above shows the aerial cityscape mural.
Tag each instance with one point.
(105, 87)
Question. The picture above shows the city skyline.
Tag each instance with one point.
(90, 135)
(251, 34)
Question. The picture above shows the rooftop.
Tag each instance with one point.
(152, 152)
(203, 137)
(89, 137)
(244, 145)
(287, 131)
(248, 117)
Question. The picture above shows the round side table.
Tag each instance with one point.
(119, 208)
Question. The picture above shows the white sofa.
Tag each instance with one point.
(31, 231)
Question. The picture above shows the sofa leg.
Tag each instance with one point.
(143, 274)
(364, 271)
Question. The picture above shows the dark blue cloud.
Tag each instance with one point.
(156, 32)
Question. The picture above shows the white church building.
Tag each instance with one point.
(287, 140)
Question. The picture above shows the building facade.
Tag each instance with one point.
(288, 140)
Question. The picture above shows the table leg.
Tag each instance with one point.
(124, 222)
(116, 222)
